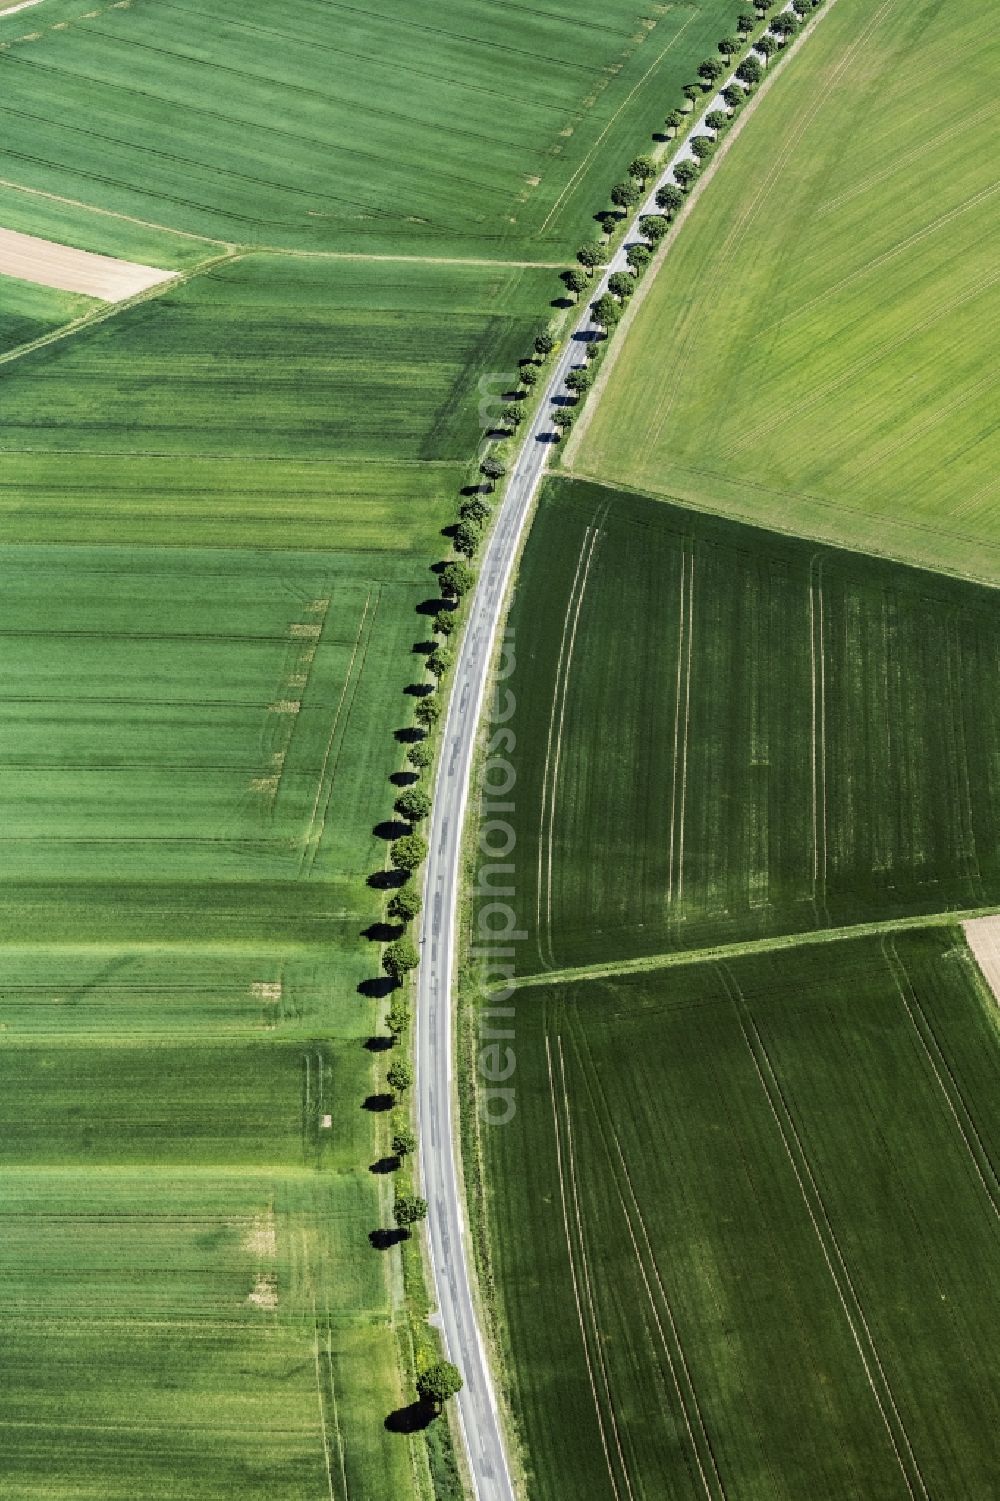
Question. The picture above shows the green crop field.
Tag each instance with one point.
(28, 312)
(815, 354)
(724, 733)
(458, 128)
(743, 1228)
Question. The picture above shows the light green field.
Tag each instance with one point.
(816, 352)
(725, 734)
(453, 128)
(28, 312)
(743, 1228)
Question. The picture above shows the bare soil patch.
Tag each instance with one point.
(983, 937)
(48, 264)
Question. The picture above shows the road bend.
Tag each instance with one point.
(478, 1409)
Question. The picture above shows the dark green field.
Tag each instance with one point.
(744, 1227)
(723, 733)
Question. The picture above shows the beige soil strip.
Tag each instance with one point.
(51, 265)
(983, 937)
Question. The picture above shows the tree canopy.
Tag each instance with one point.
(439, 1382)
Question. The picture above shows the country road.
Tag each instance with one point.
(449, 1255)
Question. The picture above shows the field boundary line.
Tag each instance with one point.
(573, 1277)
(677, 723)
(904, 985)
(783, 1119)
(420, 260)
(231, 246)
(692, 1394)
(681, 958)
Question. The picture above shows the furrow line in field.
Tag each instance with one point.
(829, 1245)
(688, 1396)
(941, 1068)
(598, 1410)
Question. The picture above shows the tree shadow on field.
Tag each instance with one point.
(384, 1240)
(383, 932)
(378, 987)
(384, 1165)
(387, 880)
(409, 734)
(412, 1419)
(390, 829)
(404, 778)
(377, 1103)
(381, 1043)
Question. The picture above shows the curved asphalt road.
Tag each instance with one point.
(477, 1403)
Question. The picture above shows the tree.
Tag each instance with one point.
(445, 623)
(398, 1018)
(399, 958)
(404, 1141)
(711, 69)
(544, 345)
(438, 1383)
(528, 376)
(405, 903)
(419, 755)
(439, 661)
(734, 95)
(473, 508)
(575, 280)
(493, 468)
(642, 168)
(563, 419)
(702, 146)
(638, 257)
(408, 1209)
(691, 92)
(399, 1076)
(592, 254)
(428, 711)
(669, 198)
(654, 227)
(767, 46)
(456, 579)
(729, 46)
(802, 8)
(674, 121)
(746, 22)
(625, 195)
(512, 415)
(622, 285)
(579, 382)
(686, 172)
(785, 25)
(408, 853)
(716, 119)
(750, 72)
(593, 349)
(414, 804)
(606, 311)
(466, 538)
